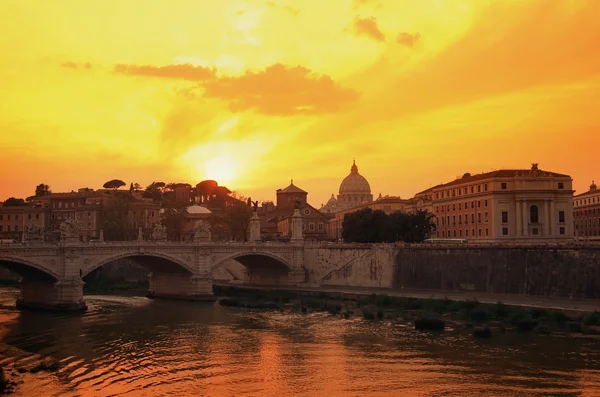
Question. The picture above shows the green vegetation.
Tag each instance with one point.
(375, 226)
(427, 314)
(99, 283)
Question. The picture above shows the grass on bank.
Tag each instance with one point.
(429, 312)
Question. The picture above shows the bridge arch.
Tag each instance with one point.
(154, 261)
(256, 259)
(27, 268)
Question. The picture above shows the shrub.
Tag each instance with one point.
(501, 310)
(368, 315)
(3, 382)
(539, 313)
(592, 319)
(526, 325)
(479, 315)
(429, 324)
(379, 315)
(347, 314)
(560, 317)
(482, 332)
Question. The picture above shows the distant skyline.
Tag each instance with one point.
(253, 93)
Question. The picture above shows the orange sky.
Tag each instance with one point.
(253, 92)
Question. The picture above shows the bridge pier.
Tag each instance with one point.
(180, 286)
(61, 295)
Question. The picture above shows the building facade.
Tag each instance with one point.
(505, 205)
(15, 220)
(586, 214)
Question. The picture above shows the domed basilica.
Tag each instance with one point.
(354, 190)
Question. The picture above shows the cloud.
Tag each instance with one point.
(408, 39)
(75, 65)
(281, 90)
(359, 3)
(367, 27)
(182, 72)
(293, 11)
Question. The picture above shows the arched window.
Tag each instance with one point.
(533, 214)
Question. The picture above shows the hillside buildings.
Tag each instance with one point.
(586, 207)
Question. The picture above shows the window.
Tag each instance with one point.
(503, 186)
(479, 204)
(459, 206)
(460, 220)
(37, 216)
(505, 231)
(504, 216)
(460, 233)
(562, 231)
(533, 214)
(478, 188)
(442, 221)
(28, 216)
(454, 219)
(8, 228)
(561, 185)
(487, 232)
(472, 218)
(479, 231)
(453, 207)
(1, 228)
(479, 217)
(466, 218)
(311, 226)
(8, 217)
(466, 191)
(561, 216)
(472, 191)
(444, 234)
(473, 232)
(472, 204)
(467, 233)
(486, 216)
(454, 233)
(485, 187)
(320, 227)
(534, 231)
(0, 217)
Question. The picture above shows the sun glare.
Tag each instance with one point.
(221, 169)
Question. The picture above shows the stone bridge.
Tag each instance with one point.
(52, 274)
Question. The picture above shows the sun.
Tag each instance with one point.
(221, 169)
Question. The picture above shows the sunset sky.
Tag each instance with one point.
(251, 93)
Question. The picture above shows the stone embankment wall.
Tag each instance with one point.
(357, 265)
(549, 270)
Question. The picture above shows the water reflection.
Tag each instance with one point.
(132, 346)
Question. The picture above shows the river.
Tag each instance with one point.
(132, 346)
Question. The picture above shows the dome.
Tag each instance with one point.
(355, 183)
(332, 201)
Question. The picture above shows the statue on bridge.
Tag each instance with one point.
(202, 231)
(159, 233)
(34, 232)
(70, 229)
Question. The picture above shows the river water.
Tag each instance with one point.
(132, 346)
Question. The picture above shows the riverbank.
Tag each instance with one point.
(17, 365)
(483, 319)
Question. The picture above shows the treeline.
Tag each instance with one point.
(375, 226)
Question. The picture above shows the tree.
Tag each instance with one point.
(14, 202)
(137, 187)
(173, 219)
(368, 226)
(114, 217)
(154, 191)
(237, 217)
(206, 189)
(114, 184)
(42, 190)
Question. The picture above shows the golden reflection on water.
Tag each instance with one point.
(130, 346)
